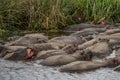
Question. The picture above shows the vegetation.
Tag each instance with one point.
(50, 15)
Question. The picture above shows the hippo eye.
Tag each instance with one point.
(108, 40)
(82, 53)
(75, 45)
(99, 39)
(37, 38)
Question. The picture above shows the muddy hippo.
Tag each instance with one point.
(41, 47)
(80, 66)
(66, 58)
(101, 49)
(48, 53)
(23, 52)
(29, 39)
(16, 53)
(78, 27)
(112, 31)
(113, 36)
(58, 60)
(19, 53)
(99, 30)
(83, 33)
(3, 50)
(67, 40)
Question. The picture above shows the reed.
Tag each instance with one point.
(95, 10)
(50, 15)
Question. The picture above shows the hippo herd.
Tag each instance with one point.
(87, 47)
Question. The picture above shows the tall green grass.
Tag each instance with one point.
(94, 10)
(50, 15)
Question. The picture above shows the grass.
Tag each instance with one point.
(50, 15)
(94, 10)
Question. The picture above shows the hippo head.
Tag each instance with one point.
(103, 40)
(86, 56)
(112, 62)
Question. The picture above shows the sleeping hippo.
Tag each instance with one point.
(62, 59)
(101, 49)
(67, 40)
(29, 39)
(80, 66)
(19, 53)
(3, 50)
(44, 54)
(78, 27)
(58, 60)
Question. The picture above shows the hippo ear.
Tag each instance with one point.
(99, 39)
(75, 44)
(82, 52)
(108, 40)
(81, 38)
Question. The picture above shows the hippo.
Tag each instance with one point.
(112, 31)
(29, 39)
(78, 27)
(41, 47)
(113, 36)
(63, 59)
(81, 66)
(101, 49)
(67, 40)
(3, 50)
(48, 53)
(99, 30)
(84, 33)
(58, 60)
(19, 53)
